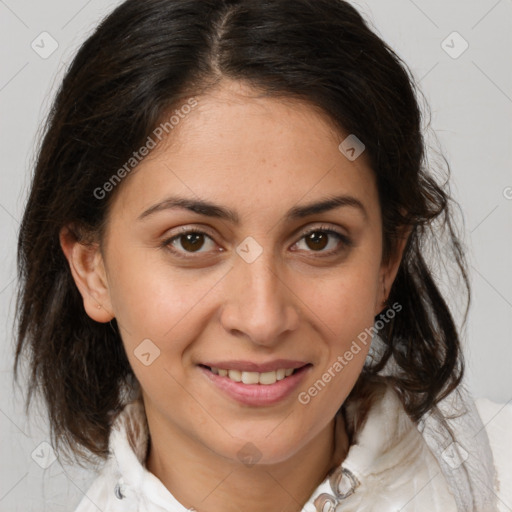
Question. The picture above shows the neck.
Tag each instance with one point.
(200, 478)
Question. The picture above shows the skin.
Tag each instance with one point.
(259, 157)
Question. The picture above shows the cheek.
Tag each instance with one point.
(346, 300)
(158, 316)
(346, 307)
(151, 302)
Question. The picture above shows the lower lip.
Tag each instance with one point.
(257, 394)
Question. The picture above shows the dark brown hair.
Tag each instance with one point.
(144, 59)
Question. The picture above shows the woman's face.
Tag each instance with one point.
(252, 287)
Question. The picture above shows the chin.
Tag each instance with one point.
(258, 447)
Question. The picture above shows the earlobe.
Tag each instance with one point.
(88, 271)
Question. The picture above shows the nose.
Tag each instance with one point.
(258, 302)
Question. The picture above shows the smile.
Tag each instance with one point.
(256, 388)
(265, 378)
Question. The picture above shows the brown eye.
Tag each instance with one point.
(317, 240)
(188, 242)
(324, 241)
(192, 242)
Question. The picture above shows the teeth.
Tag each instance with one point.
(235, 375)
(250, 377)
(254, 377)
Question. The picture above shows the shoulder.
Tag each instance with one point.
(497, 419)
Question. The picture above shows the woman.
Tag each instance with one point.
(225, 290)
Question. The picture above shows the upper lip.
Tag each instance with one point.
(250, 366)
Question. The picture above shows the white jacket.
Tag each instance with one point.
(439, 465)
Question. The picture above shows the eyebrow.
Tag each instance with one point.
(209, 209)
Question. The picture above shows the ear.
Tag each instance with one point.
(389, 270)
(88, 271)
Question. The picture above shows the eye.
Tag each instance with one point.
(191, 241)
(317, 239)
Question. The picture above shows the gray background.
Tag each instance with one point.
(471, 101)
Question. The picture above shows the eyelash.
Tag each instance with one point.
(346, 242)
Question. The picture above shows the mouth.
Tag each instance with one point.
(250, 377)
(256, 389)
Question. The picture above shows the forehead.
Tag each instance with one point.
(236, 117)
(238, 147)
